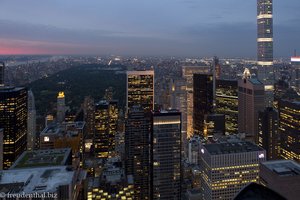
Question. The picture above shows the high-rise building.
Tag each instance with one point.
(166, 155)
(227, 103)
(61, 107)
(106, 118)
(89, 114)
(140, 89)
(282, 176)
(296, 75)
(178, 102)
(250, 101)
(268, 137)
(229, 166)
(289, 129)
(2, 68)
(31, 122)
(265, 48)
(1, 148)
(187, 74)
(13, 120)
(203, 100)
(137, 150)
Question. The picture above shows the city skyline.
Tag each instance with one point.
(179, 28)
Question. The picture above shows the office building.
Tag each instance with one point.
(268, 137)
(214, 125)
(106, 118)
(61, 107)
(112, 183)
(188, 73)
(282, 176)
(89, 115)
(166, 155)
(65, 135)
(227, 103)
(251, 100)
(179, 102)
(265, 48)
(296, 75)
(203, 100)
(31, 122)
(13, 120)
(289, 129)
(52, 182)
(2, 68)
(140, 89)
(137, 148)
(194, 149)
(229, 166)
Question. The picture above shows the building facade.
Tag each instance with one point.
(13, 120)
(166, 155)
(203, 100)
(61, 107)
(251, 97)
(188, 73)
(140, 89)
(265, 48)
(228, 167)
(227, 103)
(268, 137)
(289, 129)
(31, 122)
(137, 150)
(106, 119)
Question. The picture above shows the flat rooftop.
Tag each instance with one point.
(30, 180)
(41, 158)
(283, 167)
(231, 147)
(255, 81)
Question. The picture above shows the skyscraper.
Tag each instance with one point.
(2, 68)
(106, 117)
(227, 167)
(13, 120)
(140, 89)
(61, 107)
(203, 100)
(31, 122)
(137, 150)
(265, 47)
(296, 65)
(268, 137)
(166, 155)
(289, 129)
(188, 73)
(89, 114)
(251, 100)
(227, 103)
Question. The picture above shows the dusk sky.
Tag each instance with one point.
(226, 28)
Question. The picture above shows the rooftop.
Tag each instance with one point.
(231, 147)
(40, 158)
(283, 167)
(29, 180)
(10, 89)
(255, 81)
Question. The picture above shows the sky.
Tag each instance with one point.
(226, 28)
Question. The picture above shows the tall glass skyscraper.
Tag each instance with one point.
(265, 47)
